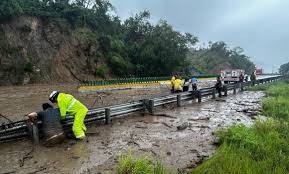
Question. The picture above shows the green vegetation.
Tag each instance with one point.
(262, 87)
(218, 56)
(28, 67)
(263, 148)
(102, 70)
(141, 165)
(284, 69)
(133, 47)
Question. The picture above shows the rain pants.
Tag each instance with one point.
(69, 105)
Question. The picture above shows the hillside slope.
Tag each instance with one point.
(35, 50)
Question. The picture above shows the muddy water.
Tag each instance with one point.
(16, 101)
(155, 136)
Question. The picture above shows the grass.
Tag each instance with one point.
(261, 149)
(128, 164)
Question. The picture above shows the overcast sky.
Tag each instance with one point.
(260, 27)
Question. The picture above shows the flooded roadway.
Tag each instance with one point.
(179, 137)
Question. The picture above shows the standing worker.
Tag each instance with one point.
(253, 76)
(194, 84)
(219, 86)
(68, 104)
(241, 78)
(186, 85)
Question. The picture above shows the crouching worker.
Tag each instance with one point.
(69, 105)
(51, 126)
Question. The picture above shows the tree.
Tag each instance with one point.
(284, 69)
(9, 9)
(219, 56)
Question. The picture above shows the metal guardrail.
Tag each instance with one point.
(24, 129)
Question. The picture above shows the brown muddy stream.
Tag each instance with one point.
(154, 136)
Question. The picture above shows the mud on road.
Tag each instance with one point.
(16, 101)
(179, 137)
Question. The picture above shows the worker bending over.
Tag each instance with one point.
(69, 105)
(51, 126)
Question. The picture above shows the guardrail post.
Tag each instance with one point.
(214, 93)
(33, 131)
(107, 116)
(199, 95)
(178, 100)
(145, 105)
(235, 89)
(151, 106)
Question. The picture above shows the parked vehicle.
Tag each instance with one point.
(232, 75)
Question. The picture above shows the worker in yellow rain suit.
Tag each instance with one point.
(173, 83)
(69, 105)
(178, 85)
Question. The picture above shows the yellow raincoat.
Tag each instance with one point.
(69, 105)
(178, 85)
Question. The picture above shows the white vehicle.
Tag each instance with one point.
(232, 75)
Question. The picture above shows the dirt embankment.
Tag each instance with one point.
(180, 137)
(35, 50)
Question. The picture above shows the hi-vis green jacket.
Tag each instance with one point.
(69, 105)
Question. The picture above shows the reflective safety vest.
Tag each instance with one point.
(69, 105)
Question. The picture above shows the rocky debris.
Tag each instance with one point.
(200, 118)
(141, 127)
(183, 126)
(164, 115)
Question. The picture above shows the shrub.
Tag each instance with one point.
(28, 67)
(139, 165)
(102, 71)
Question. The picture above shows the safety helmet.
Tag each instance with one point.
(53, 96)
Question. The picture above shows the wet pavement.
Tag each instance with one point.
(179, 137)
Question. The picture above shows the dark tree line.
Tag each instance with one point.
(134, 46)
(284, 69)
(218, 54)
